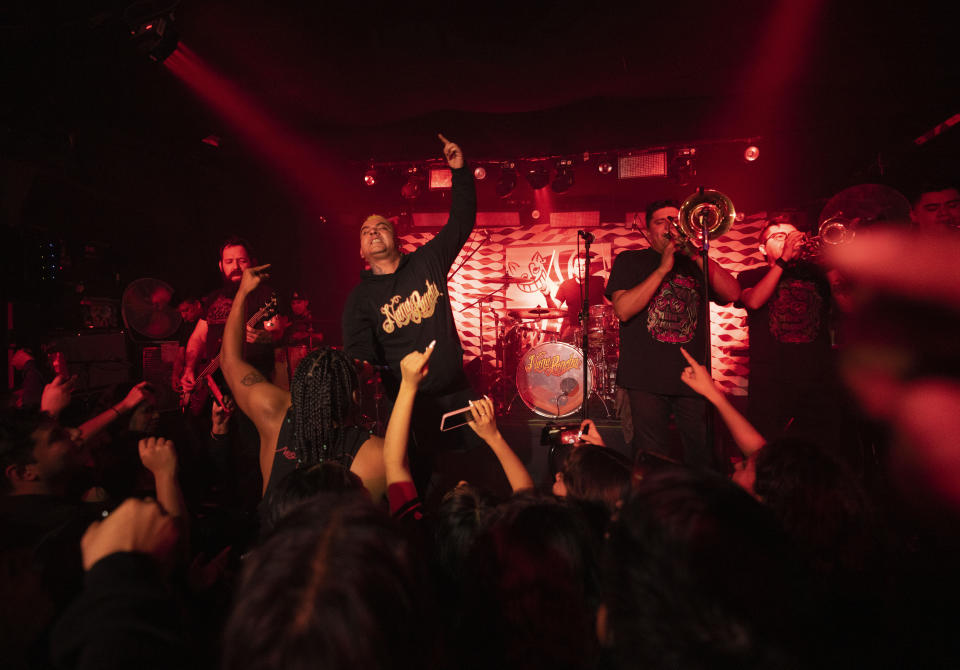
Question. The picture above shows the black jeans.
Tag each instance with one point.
(651, 414)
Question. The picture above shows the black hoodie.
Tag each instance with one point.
(387, 316)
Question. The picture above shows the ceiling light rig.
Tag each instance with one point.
(152, 28)
(564, 176)
(414, 186)
(507, 181)
(676, 161)
(537, 174)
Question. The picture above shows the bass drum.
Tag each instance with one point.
(550, 379)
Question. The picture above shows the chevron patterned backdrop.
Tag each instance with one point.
(486, 258)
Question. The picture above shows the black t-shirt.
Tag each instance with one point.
(216, 309)
(568, 294)
(790, 333)
(650, 358)
(387, 316)
(286, 460)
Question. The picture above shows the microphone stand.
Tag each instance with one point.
(584, 325)
(708, 354)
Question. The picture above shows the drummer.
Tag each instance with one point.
(570, 294)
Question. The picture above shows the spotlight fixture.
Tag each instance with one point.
(564, 177)
(152, 28)
(683, 165)
(605, 167)
(507, 181)
(370, 177)
(751, 153)
(414, 186)
(479, 173)
(538, 176)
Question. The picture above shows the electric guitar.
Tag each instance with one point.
(204, 381)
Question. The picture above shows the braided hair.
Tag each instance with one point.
(322, 397)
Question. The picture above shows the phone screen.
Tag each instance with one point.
(455, 419)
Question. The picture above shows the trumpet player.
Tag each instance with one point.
(657, 294)
(792, 386)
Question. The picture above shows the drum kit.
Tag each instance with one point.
(542, 366)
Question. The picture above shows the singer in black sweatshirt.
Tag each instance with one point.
(401, 304)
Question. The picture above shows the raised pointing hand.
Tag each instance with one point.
(451, 152)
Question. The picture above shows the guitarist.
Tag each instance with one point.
(204, 342)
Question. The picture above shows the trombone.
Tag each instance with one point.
(707, 211)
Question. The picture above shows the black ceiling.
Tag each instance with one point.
(377, 79)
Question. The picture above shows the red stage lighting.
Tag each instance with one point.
(751, 153)
(479, 173)
(370, 178)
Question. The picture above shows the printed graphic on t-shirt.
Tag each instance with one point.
(219, 310)
(672, 315)
(795, 311)
(417, 307)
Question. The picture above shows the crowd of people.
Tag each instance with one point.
(277, 531)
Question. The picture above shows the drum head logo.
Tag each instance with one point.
(544, 363)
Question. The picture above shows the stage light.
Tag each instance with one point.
(751, 153)
(414, 186)
(507, 181)
(683, 165)
(479, 173)
(538, 176)
(605, 167)
(370, 177)
(152, 28)
(646, 164)
(564, 177)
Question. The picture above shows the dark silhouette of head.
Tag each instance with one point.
(322, 393)
(698, 574)
(335, 586)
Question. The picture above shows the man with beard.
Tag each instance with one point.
(204, 342)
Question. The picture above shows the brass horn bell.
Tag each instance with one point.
(706, 210)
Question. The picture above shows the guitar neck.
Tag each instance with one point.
(214, 363)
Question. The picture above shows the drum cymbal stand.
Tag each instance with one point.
(479, 303)
(585, 328)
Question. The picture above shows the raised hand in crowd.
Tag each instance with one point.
(136, 395)
(160, 458)
(589, 434)
(57, 395)
(221, 415)
(415, 366)
(413, 369)
(484, 424)
(140, 526)
(696, 376)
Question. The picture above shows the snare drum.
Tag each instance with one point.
(550, 379)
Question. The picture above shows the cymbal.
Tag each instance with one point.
(537, 313)
(870, 203)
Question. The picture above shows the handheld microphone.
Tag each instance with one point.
(586, 235)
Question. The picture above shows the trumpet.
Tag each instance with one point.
(706, 211)
(832, 232)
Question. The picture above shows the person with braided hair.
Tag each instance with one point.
(310, 424)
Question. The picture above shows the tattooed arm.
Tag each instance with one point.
(264, 403)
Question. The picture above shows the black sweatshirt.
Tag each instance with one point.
(388, 316)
